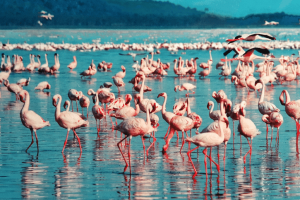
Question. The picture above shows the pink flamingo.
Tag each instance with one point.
(214, 115)
(133, 127)
(13, 88)
(265, 107)
(127, 111)
(209, 139)
(292, 109)
(68, 120)
(137, 87)
(98, 113)
(185, 86)
(275, 119)
(73, 96)
(209, 62)
(247, 128)
(73, 64)
(84, 102)
(220, 96)
(179, 108)
(23, 82)
(252, 37)
(119, 103)
(43, 85)
(122, 73)
(118, 82)
(30, 119)
(178, 123)
(205, 72)
(167, 116)
(194, 116)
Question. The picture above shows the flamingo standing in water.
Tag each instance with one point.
(247, 128)
(98, 112)
(265, 107)
(167, 116)
(68, 120)
(185, 86)
(292, 109)
(127, 111)
(118, 82)
(84, 102)
(133, 127)
(73, 96)
(30, 119)
(275, 119)
(209, 139)
(73, 64)
(13, 88)
(43, 85)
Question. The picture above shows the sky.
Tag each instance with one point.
(241, 8)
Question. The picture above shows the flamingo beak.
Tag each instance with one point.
(54, 102)
(160, 95)
(22, 99)
(208, 105)
(65, 105)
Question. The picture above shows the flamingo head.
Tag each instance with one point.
(66, 104)
(128, 98)
(209, 104)
(54, 100)
(123, 68)
(197, 121)
(161, 95)
(48, 86)
(22, 95)
(228, 105)
(175, 60)
(265, 118)
(80, 94)
(281, 98)
(153, 107)
(214, 94)
(176, 88)
(91, 92)
(6, 83)
(243, 105)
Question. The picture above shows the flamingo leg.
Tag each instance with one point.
(182, 140)
(143, 143)
(167, 132)
(77, 105)
(129, 154)
(168, 139)
(118, 144)
(97, 128)
(72, 104)
(205, 153)
(205, 163)
(31, 140)
(37, 140)
(177, 135)
(271, 135)
(65, 141)
(297, 136)
(248, 151)
(87, 112)
(225, 146)
(277, 136)
(189, 155)
(77, 139)
(154, 139)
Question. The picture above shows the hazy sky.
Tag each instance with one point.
(240, 8)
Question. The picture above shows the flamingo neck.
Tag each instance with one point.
(210, 57)
(57, 110)
(221, 129)
(97, 99)
(46, 59)
(137, 108)
(163, 111)
(211, 108)
(26, 104)
(148, 115)
(68, 106)
(261, 99)
(188, 107)
(142, 89)
(287, 97)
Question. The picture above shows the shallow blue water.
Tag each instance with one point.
(97, 172)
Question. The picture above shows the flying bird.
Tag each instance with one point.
(252, 37)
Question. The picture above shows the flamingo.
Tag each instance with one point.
(118, 82)
(119, 103)
(73, 64)
(292, 109)
(205, 72)
(13, 88)
(23, 82)
(179, 108)
(73, 96)
(56, 66)
(84, 102)
(133, 127)
(143, 102)
(167, 116)
(137, 87)
(122, 73)
(68, 120)
(209, 139)
(127, 111)
(252, 37)
(30, 119)
(44, 67)
(209, 62)
(265, 107)
(43, 85)
(246, 128)
(194, 116)
(214, 115)
(98, 113)
(220, 96)
(275, 119)
(185, 86)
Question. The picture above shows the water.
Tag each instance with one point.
(97, 172)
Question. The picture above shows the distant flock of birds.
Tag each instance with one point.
(44, 15)
(216, 133)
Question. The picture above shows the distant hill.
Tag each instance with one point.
(123, 14)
